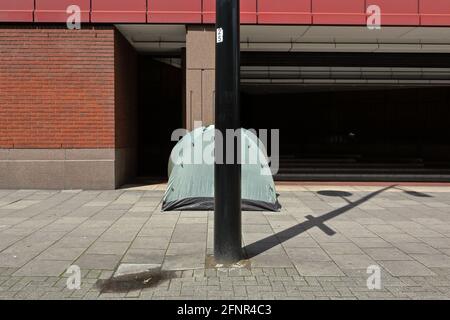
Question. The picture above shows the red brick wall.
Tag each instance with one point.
(56, 88)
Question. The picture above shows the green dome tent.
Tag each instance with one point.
(191, 174)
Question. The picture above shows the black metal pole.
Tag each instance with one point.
(227, 188)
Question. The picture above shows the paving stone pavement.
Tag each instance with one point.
(318, 247)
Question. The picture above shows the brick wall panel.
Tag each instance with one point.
(56, 88)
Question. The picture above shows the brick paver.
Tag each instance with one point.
(318, 247)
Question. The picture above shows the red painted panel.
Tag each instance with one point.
(119, 11)
(16, 10)
(394, 12)
(398, 12)
(435, 12)
(339, 12)
(55, 11)
(248, 11)
(168, 11)
(284, 11)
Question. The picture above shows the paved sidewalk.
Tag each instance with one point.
(318, 247)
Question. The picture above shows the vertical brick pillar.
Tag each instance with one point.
(200, 75)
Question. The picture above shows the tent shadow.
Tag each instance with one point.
(272, 241)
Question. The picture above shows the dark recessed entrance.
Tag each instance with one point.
(353, 123)
(160, 113)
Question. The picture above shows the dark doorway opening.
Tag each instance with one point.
(352, 116)
(159, 113)
(355, 133)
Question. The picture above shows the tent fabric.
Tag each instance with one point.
(191, 174)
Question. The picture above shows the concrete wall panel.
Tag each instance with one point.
(57, 169)
(200, 75)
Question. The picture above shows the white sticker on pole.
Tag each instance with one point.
(219, 35)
